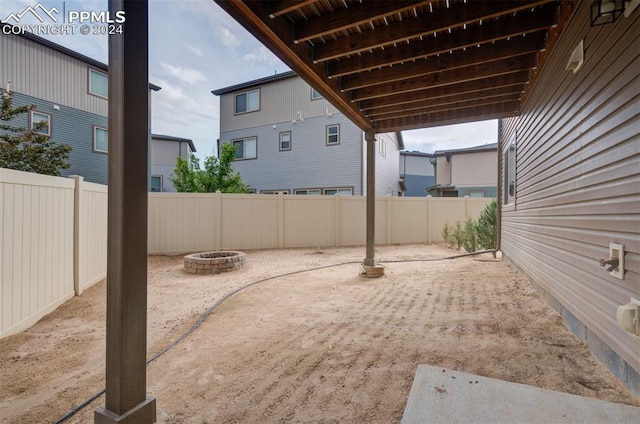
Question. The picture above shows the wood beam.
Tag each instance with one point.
(440, 20)
(503, 110)
(279, 8)
(489, 32)
(500, 50)
(448, 78)
(515, 79)
(356, 14)
(446, 103)
(275, 34)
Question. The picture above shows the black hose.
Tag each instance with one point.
(215, 306)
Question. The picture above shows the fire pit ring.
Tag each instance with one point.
(214, 262)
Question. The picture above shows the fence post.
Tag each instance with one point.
(338, 225)
(78, 227)
(217, 227)
(281, 220)
(389, 220)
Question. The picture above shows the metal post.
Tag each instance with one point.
(126, 399)
(370, 268)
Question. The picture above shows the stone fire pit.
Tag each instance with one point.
(214, 262)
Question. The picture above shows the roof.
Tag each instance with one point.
(172, 138)
(254, 83)
(405, 64)
(475, 149)
(68, 52)
(416, 153)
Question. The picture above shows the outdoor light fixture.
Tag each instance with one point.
(606, 11)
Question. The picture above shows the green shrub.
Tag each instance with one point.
(470, 236)
(457, 235)
(446, 233)
(487, 227)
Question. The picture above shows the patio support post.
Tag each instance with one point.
(369, 267)
(126, 374)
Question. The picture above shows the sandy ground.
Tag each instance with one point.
(322, 346)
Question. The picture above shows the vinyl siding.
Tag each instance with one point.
(309, 164)
(479, 169)
(578, 177)
(163, 159)
(75, 128)
(387, 175)
(279, 103)
(38, 71)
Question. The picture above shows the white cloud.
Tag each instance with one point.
(226, 36)
(190, 76)
(449, 137)
(261, 55)
(196, 51)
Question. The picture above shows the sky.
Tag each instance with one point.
(194, 48)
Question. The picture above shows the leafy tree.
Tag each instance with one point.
(27, 150)
(217, 174)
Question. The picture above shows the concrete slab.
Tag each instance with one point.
(441, 395)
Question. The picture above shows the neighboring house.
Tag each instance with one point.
(469, 172)
(290, 139)
(164, 151)
(69, 92)
(570, 183)
(416, 172)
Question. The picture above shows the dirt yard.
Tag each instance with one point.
(322, 346)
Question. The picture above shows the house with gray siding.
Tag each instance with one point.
(570, 183)
(71, 96)
(416, 172)
(472, 171)
(289, 139)
(164, 151)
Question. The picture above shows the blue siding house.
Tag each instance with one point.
(71, 96)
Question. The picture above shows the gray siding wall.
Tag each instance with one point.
(163, 159)
(75, 128)
(418, 174)
(387, 165)
(474, 169)
(309, 164)
(578, 178)
(279, 103)
(43, 73)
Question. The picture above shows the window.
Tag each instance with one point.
(315, 95)
(309, 192)
(382, 148)
(98, 83)
(100, 139)
(274, 192)
(333, 134)
(40, 122)
(156, 183)
(248, 101)
(246, 148)
(285, 140)
(340, 191)
(509, 182)
(476, 193)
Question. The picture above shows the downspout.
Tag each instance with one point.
(500, 190)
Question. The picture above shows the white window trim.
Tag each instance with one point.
(31, 122)
(161, 182)
(337, 135)
(89, 83)
(280, 141)
(314, 91)
(95, 149)
(235, 101)
(243, 139)
(509, 159)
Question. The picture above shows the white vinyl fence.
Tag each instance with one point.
(53, 232)
(184, 222)
(53, 244)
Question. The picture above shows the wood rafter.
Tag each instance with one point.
(393, 65)
(439, 21)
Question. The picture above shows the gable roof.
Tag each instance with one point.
(254, 83)
(172, 138)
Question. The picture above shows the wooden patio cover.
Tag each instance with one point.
(404, 64)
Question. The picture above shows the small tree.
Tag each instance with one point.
(217, 174)
(27, 150)
(469, 235)
(446, 233)
(487, 227)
